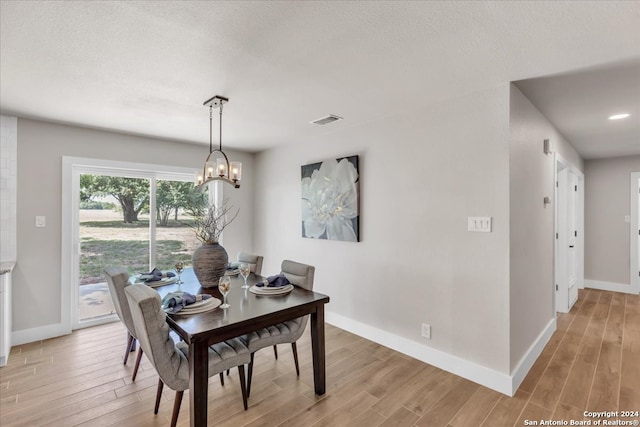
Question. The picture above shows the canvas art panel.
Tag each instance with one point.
(330, 200)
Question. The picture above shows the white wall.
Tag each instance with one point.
(8, 172)
(531, 223)
(422, 174)
(36, 278)
(607, 246)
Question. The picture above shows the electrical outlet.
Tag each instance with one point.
(426, 331)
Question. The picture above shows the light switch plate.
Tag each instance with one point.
(40, 221)
(480, 224)
(627, 219)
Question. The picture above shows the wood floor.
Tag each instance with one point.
(591, 363)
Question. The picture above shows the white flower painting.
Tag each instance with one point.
(330, 200)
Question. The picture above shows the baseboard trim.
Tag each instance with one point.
(36, 334)
(610, 286)
(487, 377)
(530, 357)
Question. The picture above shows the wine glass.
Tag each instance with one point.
(224, 285)
(244, 271)
(179, 267)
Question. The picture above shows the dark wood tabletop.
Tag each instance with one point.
(247, 312)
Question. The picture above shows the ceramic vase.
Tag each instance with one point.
(209, 264)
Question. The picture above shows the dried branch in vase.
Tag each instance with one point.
(208, 226)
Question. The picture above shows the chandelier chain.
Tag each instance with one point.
(210, 129)
(220, 146)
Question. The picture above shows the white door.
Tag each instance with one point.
(562, 294)
(572, 234)
(567, 239)
(635, 232)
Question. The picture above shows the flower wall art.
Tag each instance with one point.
(330, 200)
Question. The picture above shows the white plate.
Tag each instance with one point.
(164, 281)
(199, 306)
(231, 272)
(264, 290)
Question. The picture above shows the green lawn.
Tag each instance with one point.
(105, 239)
(141, 223)
(130, 254)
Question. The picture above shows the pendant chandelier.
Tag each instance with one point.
(218, 168)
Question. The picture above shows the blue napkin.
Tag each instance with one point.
(155, 275)
(277, 281)
(234, 265)
(173, 302)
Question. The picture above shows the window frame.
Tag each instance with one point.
(72, 168)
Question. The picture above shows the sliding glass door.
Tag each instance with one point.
(137, 220)
(113, 231)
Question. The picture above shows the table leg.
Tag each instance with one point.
(198, 382)
(317, 345)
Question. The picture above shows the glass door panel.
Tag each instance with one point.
(113, 230)
(176, 203)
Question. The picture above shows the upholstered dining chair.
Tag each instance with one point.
(117, 280)
(254, 261)
(300, 275)
(171, 360)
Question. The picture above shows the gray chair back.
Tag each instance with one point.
(118, 280)
(298, 274)
(254, 261)
(153, 334)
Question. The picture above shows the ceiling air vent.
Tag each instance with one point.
(326, 120)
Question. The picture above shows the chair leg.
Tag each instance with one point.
(130, 340)
(228, 372)
(158, 395)
(222, 378)
(250, 375)
(294, 348)
(176, 408)
(135, 369)
(243, 386)
(275, 351)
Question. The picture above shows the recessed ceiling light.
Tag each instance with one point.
(619, 116)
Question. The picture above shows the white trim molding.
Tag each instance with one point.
(40, 333)
(487, 377)
(610, 286)
(532, 354)
(634, 236)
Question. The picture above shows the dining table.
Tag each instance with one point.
(247, 313)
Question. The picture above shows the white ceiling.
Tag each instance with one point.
(146, 67)
(579, 104)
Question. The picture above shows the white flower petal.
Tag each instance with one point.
(307, 211)
(340, 229)
(314, 228)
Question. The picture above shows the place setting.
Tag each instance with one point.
(184, 303)
(272, 286)
(233, 269)
(156, 278)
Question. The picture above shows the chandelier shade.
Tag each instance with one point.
(217, 166)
